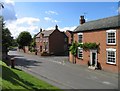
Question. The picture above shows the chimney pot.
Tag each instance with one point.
(56, 27)
(82, 20)
(40, 29)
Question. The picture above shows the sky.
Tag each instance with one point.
(31, 16)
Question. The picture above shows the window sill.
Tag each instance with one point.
(111, 63)
(80, 58)
(110, 44)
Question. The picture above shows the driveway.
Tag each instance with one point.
(59, 72)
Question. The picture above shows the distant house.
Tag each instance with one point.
(105, 31)
(69, 34)
(52, 42)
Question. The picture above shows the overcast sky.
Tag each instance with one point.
(31, 16)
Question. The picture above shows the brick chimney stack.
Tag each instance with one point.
(40, 29)
(56, 27)
(82, 20)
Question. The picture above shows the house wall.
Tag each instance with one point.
(69, 35)
(40, 42)
(56, 43)
(118, 47)
(99, 37)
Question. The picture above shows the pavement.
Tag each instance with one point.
(58, 71)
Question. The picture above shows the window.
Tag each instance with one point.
(111, 56)
(80, 37)
(37, 39)
(80, 53)
(111, 37)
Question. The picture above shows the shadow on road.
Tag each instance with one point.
(21, 61)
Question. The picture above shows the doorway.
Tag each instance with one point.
(93, 58)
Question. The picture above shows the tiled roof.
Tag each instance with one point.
(45, 32)
(105, 23)
(69, 31)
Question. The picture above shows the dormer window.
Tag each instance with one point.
(111, 37)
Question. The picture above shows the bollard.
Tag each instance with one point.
(12, 63)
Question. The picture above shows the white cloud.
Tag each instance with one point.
(51, 12)
(8, 11)
(47, 18)
(28, 20)
(51, 20)
(23, 24)
(10, 2)
(56, 21)
(63, 29)
(71, 28)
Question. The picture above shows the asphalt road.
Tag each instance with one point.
(59, 72)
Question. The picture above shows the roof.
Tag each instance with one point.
(45, 32)
(105, 23)
(69, 31)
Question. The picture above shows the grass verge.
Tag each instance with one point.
(16, 79)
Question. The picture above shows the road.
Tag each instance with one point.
(59, 72)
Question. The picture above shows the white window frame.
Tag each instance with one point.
(80, 49)
(111, 31)
(110, 50)
(82, 37)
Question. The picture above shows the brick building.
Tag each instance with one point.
(69, 34)
(105, 31)
(52, 42)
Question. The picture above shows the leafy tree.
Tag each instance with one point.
(33, 43)
(24, 39)
(7, 39)
(73, 49)
(32, 47)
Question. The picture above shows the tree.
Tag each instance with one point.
(7, 39)
(24, 39)
(73, 49)
(33, 43)
(32, 47)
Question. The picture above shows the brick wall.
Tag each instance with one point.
(118, 52)
(69, 35)
(56, 43)
(99, 37)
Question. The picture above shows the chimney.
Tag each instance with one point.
(82, 20)
(40, 29)
(56, 27)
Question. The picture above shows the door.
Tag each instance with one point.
(93, 58)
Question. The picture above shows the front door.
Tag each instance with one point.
(93, 58)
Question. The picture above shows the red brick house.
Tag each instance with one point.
(105, 31)
(69, 34)
(52, 42)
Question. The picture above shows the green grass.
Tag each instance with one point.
(14, 79)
